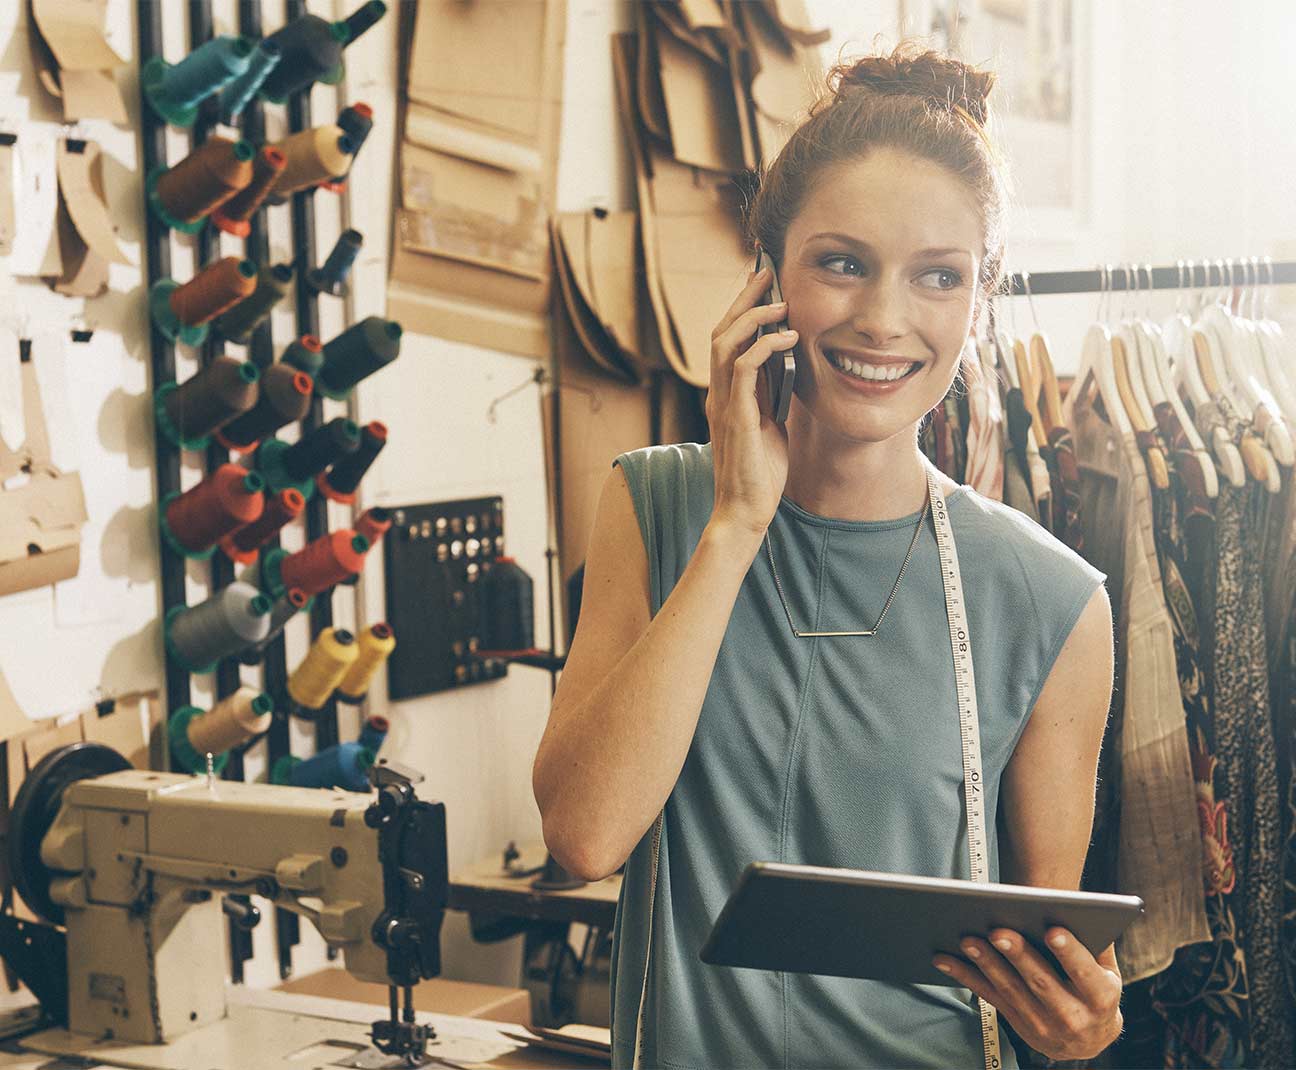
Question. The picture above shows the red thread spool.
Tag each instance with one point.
(205, 179)
(373, 524)
(223, 502)
(215, 288)
(233, 217)
(243, 544)
(327, 561)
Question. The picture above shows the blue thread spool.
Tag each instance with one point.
(297, 465)
(239, 93)
(343, 765)
(176, 90)
(356, 353)
(330, 278)
(311, 52)
(373, 733)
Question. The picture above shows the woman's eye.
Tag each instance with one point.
(849, 265)
(946, 279)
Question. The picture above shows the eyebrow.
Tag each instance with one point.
(847, 239)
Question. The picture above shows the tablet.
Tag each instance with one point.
(887, 926)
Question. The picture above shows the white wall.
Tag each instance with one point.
(1192, 137)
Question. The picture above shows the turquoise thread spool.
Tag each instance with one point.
(238, 94)
(176, 90)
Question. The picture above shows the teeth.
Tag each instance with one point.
(872, 372)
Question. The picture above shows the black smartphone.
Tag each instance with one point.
(780, 370)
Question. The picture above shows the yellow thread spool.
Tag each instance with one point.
(321, 670)
(376, 645)
(233, 720)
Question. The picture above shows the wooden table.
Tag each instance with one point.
(485, 887)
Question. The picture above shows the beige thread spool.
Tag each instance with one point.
(314, 156)
(233, 720)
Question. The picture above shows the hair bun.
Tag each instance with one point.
(930, 75)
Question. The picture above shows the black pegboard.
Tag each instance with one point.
(435, 555)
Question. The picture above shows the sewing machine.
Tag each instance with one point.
(133, 865)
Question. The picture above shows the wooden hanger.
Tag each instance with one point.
(1140, 419)
(1178, 334)
(1158, 364)
(1029, 387)
(1050, 395)
(1096, 370)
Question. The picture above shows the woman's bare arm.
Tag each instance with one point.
(627, 705)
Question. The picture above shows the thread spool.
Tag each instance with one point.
(319, 565)
(373, 733)
(314, 156)
(184, 195)
(363, 18)
(356, 121)
(182, 313)
(330, 278)
(305, 354)
(373, 523)
(338, 484)
(313, 682)
(233, 721)
(356, 353)
(242, 545)
(272, 283)
(238, 94)
(343, 765)
(195, 521)
(312, 52)
(284, 399)
(286, 606)
(198, 637)
(176, 90)
(375, 646)
(188, 413)
(297, 465)
(234, 216)
(507, 607)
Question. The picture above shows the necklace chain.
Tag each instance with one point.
(869, 633)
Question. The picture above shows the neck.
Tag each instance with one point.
(842, 480)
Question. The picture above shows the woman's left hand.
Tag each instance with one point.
(1073, 1018)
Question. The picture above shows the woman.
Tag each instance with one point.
(688, 688)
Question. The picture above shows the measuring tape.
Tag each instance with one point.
(970, 745)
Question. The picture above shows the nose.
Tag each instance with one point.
(879, 314)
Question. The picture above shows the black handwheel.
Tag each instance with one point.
(35, 809)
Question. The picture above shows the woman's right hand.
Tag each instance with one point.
(749, 448)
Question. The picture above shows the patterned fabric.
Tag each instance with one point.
(1246, 774)
(1016, 477)
(957, 443)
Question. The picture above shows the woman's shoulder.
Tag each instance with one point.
(1010, 545)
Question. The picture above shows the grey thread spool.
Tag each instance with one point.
(287, 606)
(229, 621)
(213, 397)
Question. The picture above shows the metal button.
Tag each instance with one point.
(456, 549)
(470, 525)
(443, 552)
(456, 524)
(440, 525)
(472, 546)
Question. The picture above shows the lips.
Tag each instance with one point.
(880, 370)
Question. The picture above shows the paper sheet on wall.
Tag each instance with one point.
(35, 203)
(50, 360)
(93, 373)
(8, 177)
(13, 424)
(74, 31)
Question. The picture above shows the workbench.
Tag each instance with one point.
(486, 888)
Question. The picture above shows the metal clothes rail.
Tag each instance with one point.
(1201, 273)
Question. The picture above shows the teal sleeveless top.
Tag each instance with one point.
(828, 752)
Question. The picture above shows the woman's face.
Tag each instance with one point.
(879, 272)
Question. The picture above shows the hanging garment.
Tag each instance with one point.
(957, 442)
(1246, 775)
(1158, 845)
(1064, 476)
(1195, 1013)
(1017, 490)
(829, 751)
(985, 438)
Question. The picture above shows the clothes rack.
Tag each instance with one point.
(1186, 275)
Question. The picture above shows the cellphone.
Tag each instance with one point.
(779, 371)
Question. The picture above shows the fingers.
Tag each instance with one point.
(758, 284)
(1097, 981)
(1037, 974)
